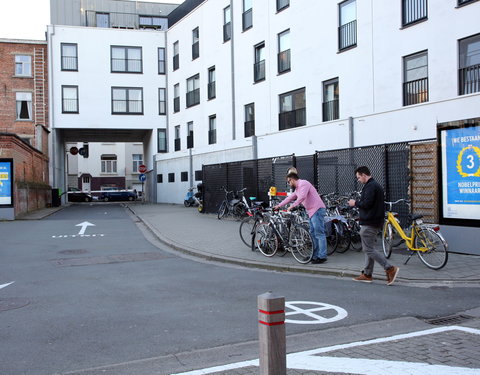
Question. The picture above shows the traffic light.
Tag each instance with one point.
(84, 150)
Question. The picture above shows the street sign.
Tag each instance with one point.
(142, 168)
(142, 177)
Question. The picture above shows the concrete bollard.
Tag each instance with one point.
(271, 332)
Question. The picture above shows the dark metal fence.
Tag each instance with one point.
(328, 171)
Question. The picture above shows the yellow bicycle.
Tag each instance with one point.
(424, 239)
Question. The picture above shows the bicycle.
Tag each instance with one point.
(234, 206)
(278, 229)
(423, 239)
(247, 227)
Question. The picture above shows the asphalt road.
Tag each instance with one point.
(111, 296)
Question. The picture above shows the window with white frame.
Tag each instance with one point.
(259, 65)
(137, 160)
(162, 140)
(292, 109)
(195, 43)
(415, 78)
(284, 51)
(227, 24)
(109, 163)
(176, 97)
(69, 53)
(24, 105)
(23, 65)
(70, 99)
(177, 140)
(331, 95)
(212, 129)
(161, 61)
(162, 101)
(176, 56)
(247, 16)
(193, 90)
(211, 88)
(127, 100)
(347, 29)
(126, 59)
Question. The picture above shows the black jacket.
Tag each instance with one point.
(371, 204)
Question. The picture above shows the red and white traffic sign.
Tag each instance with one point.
(142, 168)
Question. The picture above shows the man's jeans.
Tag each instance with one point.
(368, 234)
(317, 231)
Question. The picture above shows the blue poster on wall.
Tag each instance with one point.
(5, 183)
(463, 165)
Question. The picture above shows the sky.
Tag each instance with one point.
(28, 19)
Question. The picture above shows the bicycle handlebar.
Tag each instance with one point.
(390, 204)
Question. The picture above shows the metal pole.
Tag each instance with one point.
(271, 332)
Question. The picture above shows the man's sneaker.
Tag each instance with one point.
(364, 278)
(392, 273)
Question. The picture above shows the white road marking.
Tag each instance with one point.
(84, 226)
(311, 312)
(5, 285)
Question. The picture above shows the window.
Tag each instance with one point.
(227, 24)
(212, 130)
(469, 65)
(171, 177)
(161, 61)
(330, 100)
(69, 57)
(151, 22)
(69, 99)
(162, 102)
(282, 4)
(176, 56)
(190, 134)
(127, 100)
(347, 30)
(103, 19)
(137, 161)
(249, 124)
(463, 2)
(259, 66)
(159, 178)
(109, 163)
(247, 18)
(413, 11)
(195, 43)
(415, 78)
(176, 98)
(177, 138)
(162, 140)
(23, 65)
(24, 105)
(284, 51)
(211, 89)
(199, 175)
(183, 176)
(126, 60)
(193, 90)
(292, 109)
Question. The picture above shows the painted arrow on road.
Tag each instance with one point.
(5, 285)
(84, 226)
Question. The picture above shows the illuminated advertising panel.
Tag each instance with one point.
(6, 182)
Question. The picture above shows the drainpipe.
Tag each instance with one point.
(190, 159)
(351, 134)
(254, 147)
(232, 59)
(51, 112)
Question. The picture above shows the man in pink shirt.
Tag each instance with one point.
(307, 195)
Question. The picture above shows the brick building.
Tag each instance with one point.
(24, 121)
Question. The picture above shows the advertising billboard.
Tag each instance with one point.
(460, 171)
(6, 182)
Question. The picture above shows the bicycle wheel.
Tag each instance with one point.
(265, 239)
(343, 237)
(239, 210)
(246, 230)
(332, 239)
(222, 210)
(355, 239)
(433, 247)
(301, 244)
(387, 239)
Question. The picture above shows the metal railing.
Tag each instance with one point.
(249, 128)
(69, 63)
(123, 20)
(415, 92)
(193, 97)
(70, 106)
(284, 61)
(195, 50)
(292, 119)
(177, 144)
(227, 31)
(413, 11)
(247, 19)
(211, 90)
(259, 71)
(212, 136)
(347, 35)
(331, 110)
(190, 140)
(469, 80)
(176, 104)
(176, 62)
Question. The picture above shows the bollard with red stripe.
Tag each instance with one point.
(271, 332)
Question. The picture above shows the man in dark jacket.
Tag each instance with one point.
(372, 215)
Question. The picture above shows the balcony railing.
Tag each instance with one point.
(177, 144)
(292, 119)
(347, 35)
(331, 110)
(176, 104)
(70, 106)
(469, 80)
(125, 20)
(176, 62)
(415, 92)
(413, 11)
(212, 136)
(69, 63)
(195, 50)
(247, 21)
(259, 71)
(211, 90)
(190, 140)
(249, 128)
(284, 61)
(193, 97)
(227, 31)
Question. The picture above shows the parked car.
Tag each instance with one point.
(120, 195)
(75, 195)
